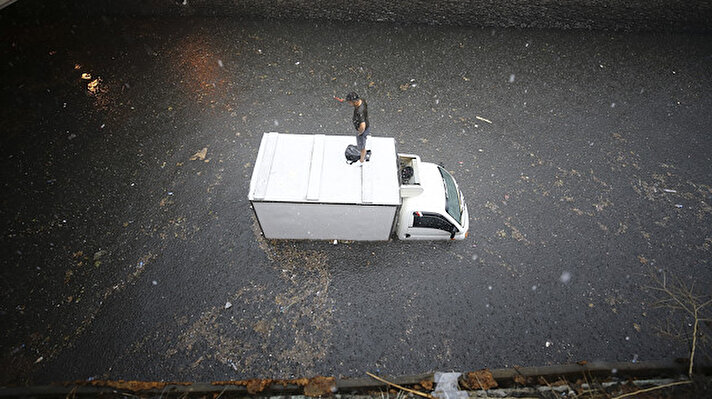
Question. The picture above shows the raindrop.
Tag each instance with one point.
(613, 105)
(276, 122)
(533, 287)
(511, 78)
(474, 257)
(220, 63)
(565, 277)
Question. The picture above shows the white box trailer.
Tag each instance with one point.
(302, 188)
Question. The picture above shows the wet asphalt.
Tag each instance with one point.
(584, 158)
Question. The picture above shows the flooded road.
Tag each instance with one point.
(130, 251)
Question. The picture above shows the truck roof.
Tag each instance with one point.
(311, 168)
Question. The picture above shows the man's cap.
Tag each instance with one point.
(352, 96)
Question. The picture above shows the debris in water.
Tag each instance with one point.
(200, 155)
(483, 119)
(228, 305)
(86, 76)
(549, 343)
(93, 86)
(100, 254)
(667, 190)
(678, 205)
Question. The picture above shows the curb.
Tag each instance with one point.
(505, 378)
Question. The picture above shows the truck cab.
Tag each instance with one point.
(433, 206)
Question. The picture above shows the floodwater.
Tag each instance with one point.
(129, 249)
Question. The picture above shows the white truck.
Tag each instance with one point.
(303, 188)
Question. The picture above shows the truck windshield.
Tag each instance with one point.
(452, 198)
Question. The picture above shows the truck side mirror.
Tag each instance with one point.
(453, 231)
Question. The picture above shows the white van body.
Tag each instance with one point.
(303, 188)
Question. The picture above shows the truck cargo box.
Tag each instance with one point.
(302, 188)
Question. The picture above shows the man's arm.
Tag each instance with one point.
(361, 128)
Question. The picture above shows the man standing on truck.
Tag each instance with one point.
(360, 120)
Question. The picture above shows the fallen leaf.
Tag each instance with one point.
(481, 379)
(257, 385)
(200, 155)
(93, 86)
(320, 386)
(68, 275)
